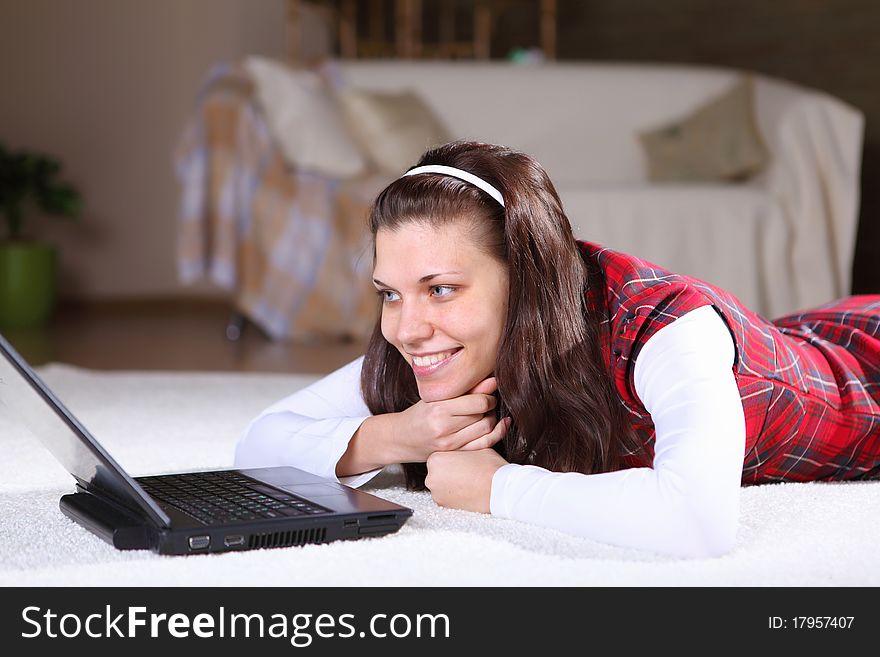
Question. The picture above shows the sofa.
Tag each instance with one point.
(780, 236)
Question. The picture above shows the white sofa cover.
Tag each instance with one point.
(782, 241)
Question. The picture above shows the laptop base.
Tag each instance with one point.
(121, 530)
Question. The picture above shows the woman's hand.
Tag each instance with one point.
(463, 480)
(465, 423)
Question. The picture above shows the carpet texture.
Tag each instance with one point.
(814, 534)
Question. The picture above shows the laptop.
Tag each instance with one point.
(193, 512)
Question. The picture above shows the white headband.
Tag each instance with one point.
(461, 175)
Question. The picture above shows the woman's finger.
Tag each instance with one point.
(471, 404)
(483, 426)
(490, 438)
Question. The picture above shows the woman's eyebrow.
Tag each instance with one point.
(423, 279)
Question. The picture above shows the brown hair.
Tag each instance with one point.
(551, 378)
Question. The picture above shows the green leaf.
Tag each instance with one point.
(29, 178)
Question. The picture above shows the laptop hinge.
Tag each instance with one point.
(122, 530)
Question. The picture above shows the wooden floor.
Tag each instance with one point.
(169, 336)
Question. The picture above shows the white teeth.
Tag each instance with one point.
(423, 361)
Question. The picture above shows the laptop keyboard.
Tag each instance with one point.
(221, 497)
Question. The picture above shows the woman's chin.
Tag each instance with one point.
(432, 392)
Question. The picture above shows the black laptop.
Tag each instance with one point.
(190, 513)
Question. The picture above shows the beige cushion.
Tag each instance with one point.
(393, 128)
(719, 141)
(305, 119)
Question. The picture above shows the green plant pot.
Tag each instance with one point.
(27, 283)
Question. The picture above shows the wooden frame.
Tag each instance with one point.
(407, 42)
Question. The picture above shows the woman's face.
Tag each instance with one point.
(444, 305)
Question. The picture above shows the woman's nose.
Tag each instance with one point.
(414, 325)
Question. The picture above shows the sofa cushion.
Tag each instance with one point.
(718, 141)
(393, 128)
(305, 119)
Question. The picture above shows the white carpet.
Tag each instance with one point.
(152, 422)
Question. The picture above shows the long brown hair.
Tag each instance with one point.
(551, 378)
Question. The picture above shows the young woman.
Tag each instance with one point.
(519, 372)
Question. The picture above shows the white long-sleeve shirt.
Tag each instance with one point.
(687, 504)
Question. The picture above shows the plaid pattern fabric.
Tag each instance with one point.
(809, 382)
(292, 245)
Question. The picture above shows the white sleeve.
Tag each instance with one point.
(309, 429)
(688, 503)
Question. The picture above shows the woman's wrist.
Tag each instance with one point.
(369, 447)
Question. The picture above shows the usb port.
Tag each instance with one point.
(199, 542)
(234, 540)
(350, 522)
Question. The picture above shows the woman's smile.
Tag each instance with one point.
(424, 366)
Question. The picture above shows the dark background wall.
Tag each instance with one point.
(832, 45)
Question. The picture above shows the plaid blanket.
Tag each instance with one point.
(292, 245)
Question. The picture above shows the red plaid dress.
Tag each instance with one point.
(809, 382)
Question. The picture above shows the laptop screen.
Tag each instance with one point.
(25, 398)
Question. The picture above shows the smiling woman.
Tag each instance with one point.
(447, 214)
(520, 372)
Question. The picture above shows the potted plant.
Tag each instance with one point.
(28, 184)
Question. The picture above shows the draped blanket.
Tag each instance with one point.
(291, 245)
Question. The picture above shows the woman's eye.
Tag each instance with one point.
(388, 296)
